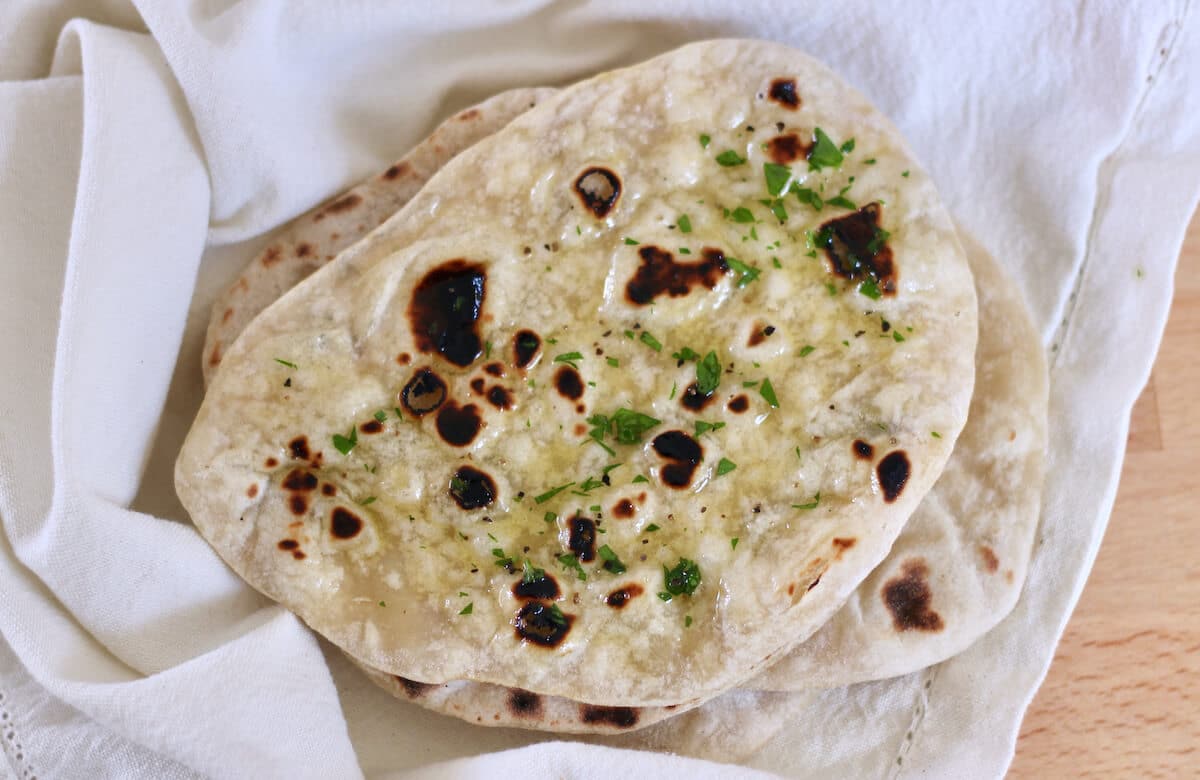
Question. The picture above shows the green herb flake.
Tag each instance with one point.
(768, 394)
(869, 162)
(640, 478)
(705, 140)
(730, 158)
(631, 425)
(569, 561)
(367, 501)
(725, 466)
(868, 288)
(777, 177)
(570, 358)
(283, 362)
(807, 350)
(708, 374)
(808, 197)
(652, 527)
(935, 434)
(383, 603)
(750, 383)
(687, 353)
(748, 273)
(703, 427)
(831, 288)
(842, 202)
(682, 579)
(683, 250)
(775, 262)
(733, 543)
(674, 387)
(811, 504)
(631, 242)
(612, 563)
(532, 573)
(649, 340)
(556, 616)
(487, 350)
(742, 215)
(381, 415)
(877, 241)
(467, 609)
(896, 335)
(629, 334)
(824, 152)
(612, 361)
(905, 174)
(664, 596)
(551, 493)
(344, 444)
(549, 517)
(685, 223)
(502, 560)
(848, 147)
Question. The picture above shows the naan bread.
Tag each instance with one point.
(314, 238)
(569, 223)
(958, 566)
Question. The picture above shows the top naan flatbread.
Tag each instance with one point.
(572, 224)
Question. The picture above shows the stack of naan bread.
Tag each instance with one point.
(655, 397)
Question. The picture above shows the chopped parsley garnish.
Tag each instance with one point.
(848, 146)
(640, 478)
(570, 358)
(367, 501)
(549, 517)
(569, 561)
(683, 250)
(935, 434)
(685, 224)
(824, 153)
(768, 394)
(551, 493)
(896, 335)
(652, 527)
(628, 334)
(733, 543)
(281, 361)
(748, 273)
(742, 215)
(631, 242)
(399, 415)
(777, 208)
(809, 197)
(868, 288)
(687, 621)
(628, 425)
(775, 262)
(777, 177)
(753, 233)
(674, 387)
(588, 485)
(687, 353)
(556, 616)
(467, 609)
(831, 288)
(870, 161)
(383, 603)
(346, 443)
(612, 361)
(841, 201)
(729, 158)
(750, 383)
(649, 340)
(503, 560)
(487, 350)
(807, 350)
(725, 466)
(612, 563)
(708, 374)
(381, 415)
(704, 140)
(811, 504)
(904, 174)
(681, 580)
(532, 573)
(877, 240)
(704, 427)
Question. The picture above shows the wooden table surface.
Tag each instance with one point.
(1122, 698)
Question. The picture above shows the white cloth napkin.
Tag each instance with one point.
(144, 154)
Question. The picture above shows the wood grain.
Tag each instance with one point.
(1122, 698)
